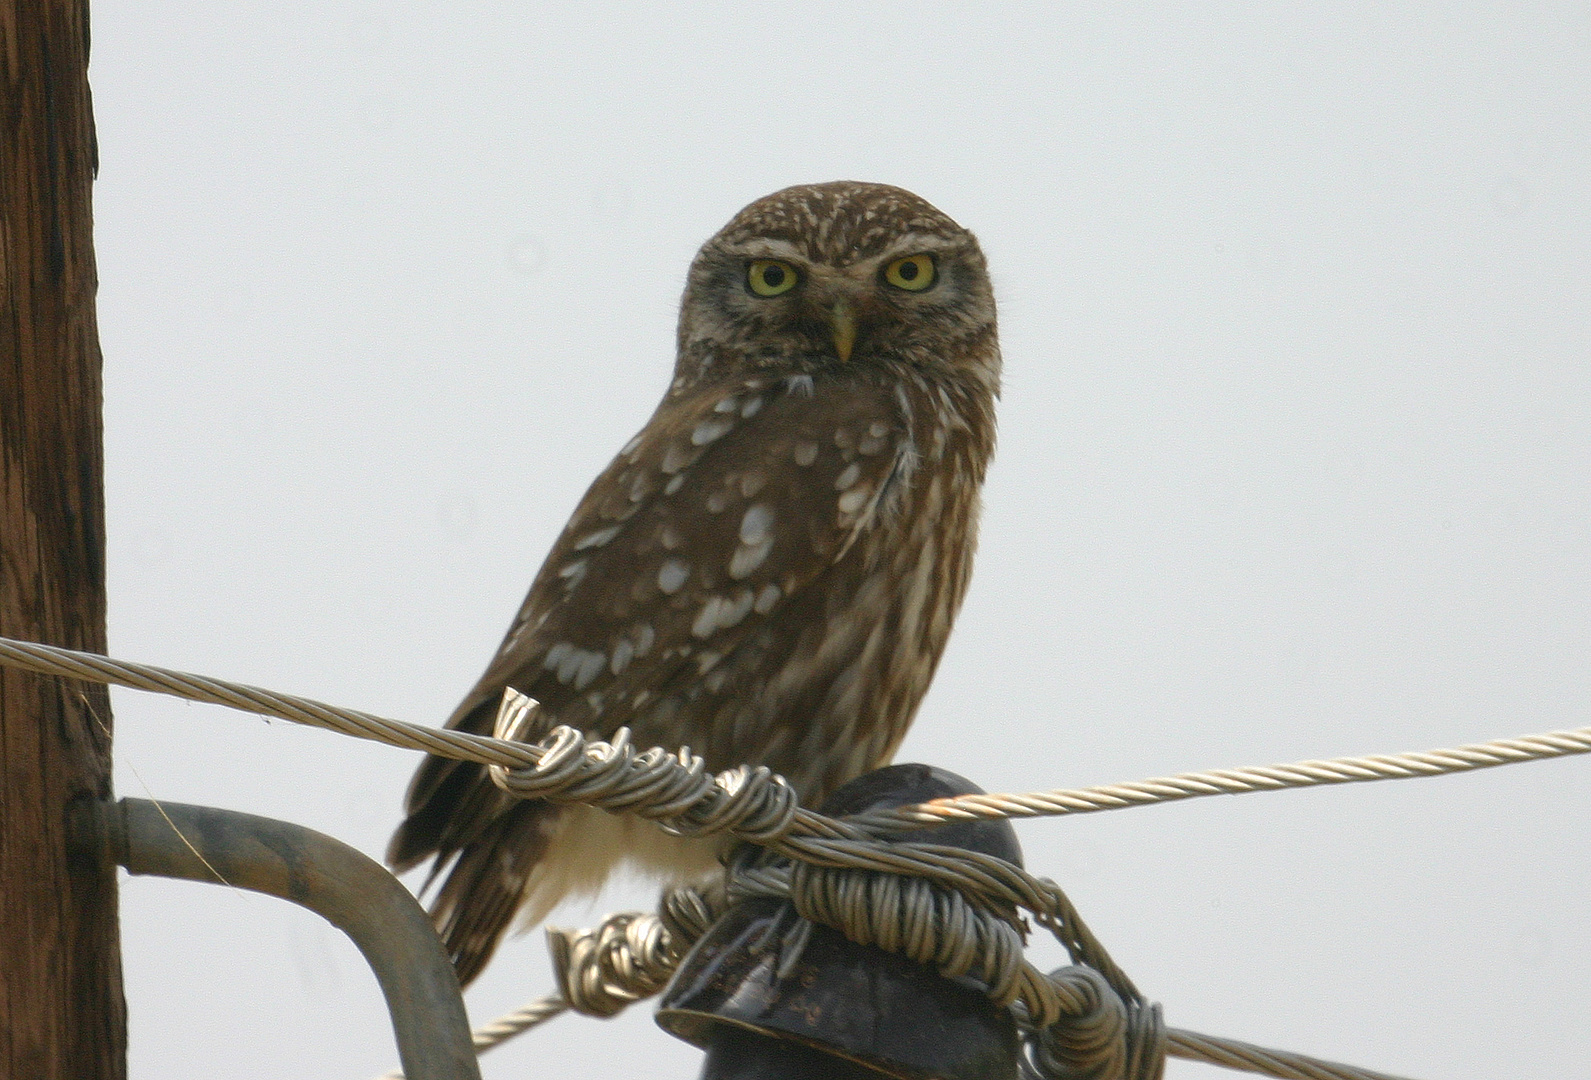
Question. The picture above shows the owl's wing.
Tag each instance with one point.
(709, 523)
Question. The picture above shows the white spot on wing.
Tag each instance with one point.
(623, 652)
(591, 665)
(671, 575)
(748, 557)
(707, 619)
(576, 665)
(756, 523)
(852, 500)
(598, 538)
(708, 430)
(721, 613)
(799, 384)
(675, 458)
(751, 408)
(767, 597)
(737, 610)
(805, 453)
(674, 484)
(848, 476)
(557, 654)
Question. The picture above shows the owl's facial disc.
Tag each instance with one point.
(840, 303)
(849, 275)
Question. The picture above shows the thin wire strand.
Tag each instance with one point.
(508, 1025)
(463, 746)
(1298, 774)
(1247, 1057)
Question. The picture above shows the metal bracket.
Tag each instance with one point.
(350, 890)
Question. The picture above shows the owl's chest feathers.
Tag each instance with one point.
(857, 531)
(886, 607)
(911, 562)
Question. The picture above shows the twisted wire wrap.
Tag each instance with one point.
(601, 972)
(1088, 1019)
(1109, 1038)
(673, 789)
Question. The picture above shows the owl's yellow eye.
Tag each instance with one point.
(770, 277)
(914, 273)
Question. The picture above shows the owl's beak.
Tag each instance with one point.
(842, 320)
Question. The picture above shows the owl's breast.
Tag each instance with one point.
(826, 686)
(767, 574)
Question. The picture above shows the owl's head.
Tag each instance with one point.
(834, 275)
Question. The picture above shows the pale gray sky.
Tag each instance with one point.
(1295, 457)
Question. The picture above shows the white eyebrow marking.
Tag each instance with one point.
(767, 248)
(916, 243)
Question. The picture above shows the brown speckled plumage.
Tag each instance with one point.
(768, 572)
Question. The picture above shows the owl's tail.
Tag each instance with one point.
(491, 871)
(508, 860)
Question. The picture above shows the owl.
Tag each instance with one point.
(768, 572)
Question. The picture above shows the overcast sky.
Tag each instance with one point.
(1295, 458)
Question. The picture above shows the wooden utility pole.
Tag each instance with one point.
(62, 1016)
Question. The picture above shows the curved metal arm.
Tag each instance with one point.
(346, 887)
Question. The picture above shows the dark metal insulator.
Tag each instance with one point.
(771, 996)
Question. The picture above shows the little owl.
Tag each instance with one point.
(768, 572)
